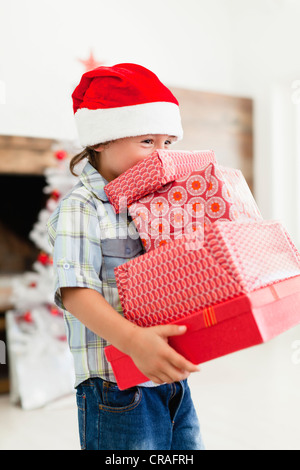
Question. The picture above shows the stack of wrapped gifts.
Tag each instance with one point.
(211, 262)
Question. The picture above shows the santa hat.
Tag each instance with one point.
(124, 100)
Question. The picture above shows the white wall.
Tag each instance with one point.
(240, 47)
(45, 39)
(266, 38)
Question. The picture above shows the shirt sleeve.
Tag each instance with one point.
(77, 256)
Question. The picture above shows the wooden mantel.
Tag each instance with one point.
(25, 155)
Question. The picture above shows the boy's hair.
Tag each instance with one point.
(89, 153)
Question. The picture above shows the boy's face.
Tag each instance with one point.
(120, 155)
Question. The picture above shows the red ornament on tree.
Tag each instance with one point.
(55, 194)
(44, 259)
(27, 317)
(60, 154)
(54, 311)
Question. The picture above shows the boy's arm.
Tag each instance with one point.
(148, 347)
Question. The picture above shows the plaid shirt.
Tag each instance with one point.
(89, 241)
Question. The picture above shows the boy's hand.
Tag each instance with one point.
(148, 347)
(151, 353)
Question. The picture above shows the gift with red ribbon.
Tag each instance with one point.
(235, 290)
(239, 323)
(179, 278)
(211, 263)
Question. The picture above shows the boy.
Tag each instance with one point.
(123, 113)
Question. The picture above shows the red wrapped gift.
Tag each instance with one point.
(187, 204)
(177, 279)
(222, 329)
(170, 212)
(160, 168)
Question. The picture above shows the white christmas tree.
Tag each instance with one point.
(40, 363)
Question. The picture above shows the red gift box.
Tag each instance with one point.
(230, 326)
(160, 168)
(179, 278)
(189, 203)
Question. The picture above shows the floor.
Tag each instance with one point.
(245, 401)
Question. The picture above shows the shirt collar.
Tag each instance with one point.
(93, 181)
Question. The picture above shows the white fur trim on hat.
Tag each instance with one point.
(96, 126)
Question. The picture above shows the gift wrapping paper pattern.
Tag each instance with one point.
(170, 212)
(189, 203)
(174, 281)
(160, 168)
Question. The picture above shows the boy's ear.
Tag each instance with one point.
(98, 148)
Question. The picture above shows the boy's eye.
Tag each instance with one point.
(150, 141)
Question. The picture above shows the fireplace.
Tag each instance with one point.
(22, 198)
(22, 164)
